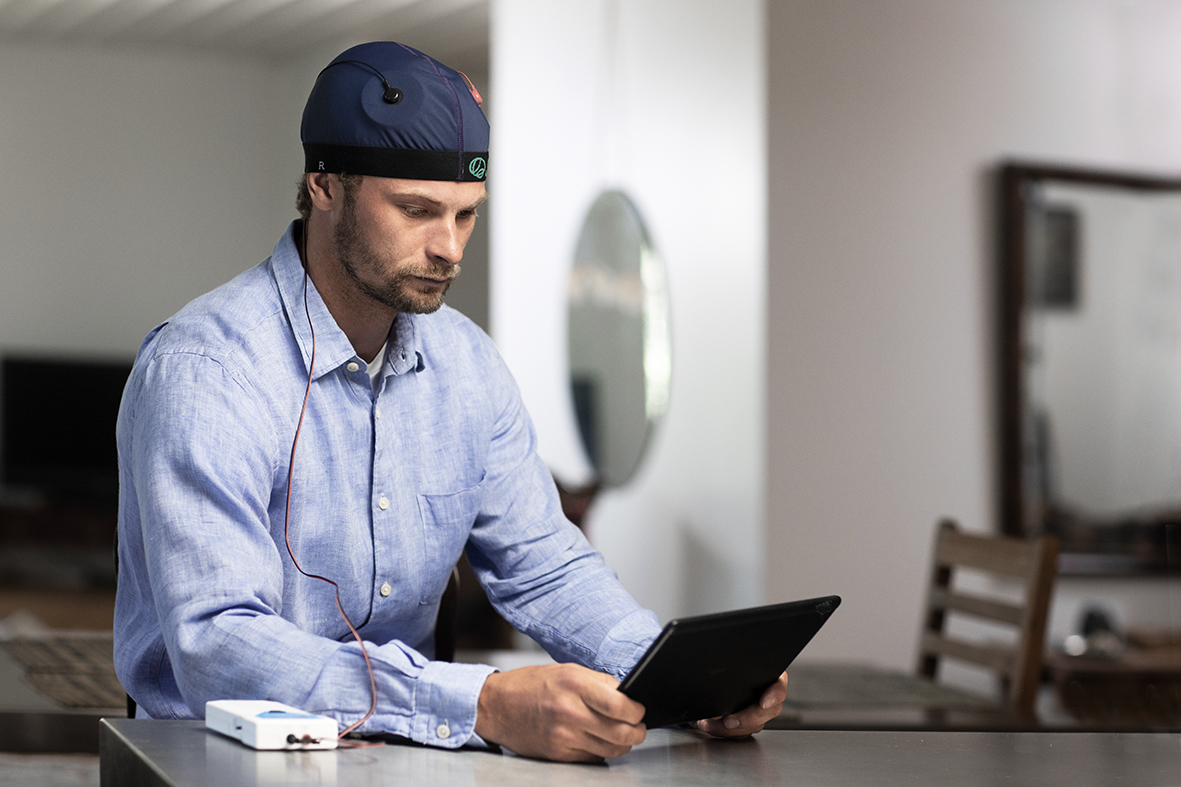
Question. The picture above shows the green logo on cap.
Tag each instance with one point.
(478, 167)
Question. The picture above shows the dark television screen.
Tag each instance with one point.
(58, 426)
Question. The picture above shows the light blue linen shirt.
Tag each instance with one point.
(391, 483)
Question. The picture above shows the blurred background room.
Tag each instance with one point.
(814, 191)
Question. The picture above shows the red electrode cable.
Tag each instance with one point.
(287, 513)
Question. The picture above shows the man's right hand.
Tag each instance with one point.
(559, 712)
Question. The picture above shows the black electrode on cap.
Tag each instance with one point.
(392, 95)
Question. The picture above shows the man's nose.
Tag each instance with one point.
(447, 242)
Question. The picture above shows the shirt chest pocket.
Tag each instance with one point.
(446, 521)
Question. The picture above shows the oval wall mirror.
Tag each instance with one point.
(619, 345)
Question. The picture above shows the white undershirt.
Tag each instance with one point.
(374, 366)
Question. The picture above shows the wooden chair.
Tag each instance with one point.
(1034, 565)
(850, 695)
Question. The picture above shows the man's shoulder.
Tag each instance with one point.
(242, 313)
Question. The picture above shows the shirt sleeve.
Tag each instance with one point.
(200, 554)
(538, 569)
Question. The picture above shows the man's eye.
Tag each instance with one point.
(414, 211)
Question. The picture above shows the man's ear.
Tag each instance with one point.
(326, 190)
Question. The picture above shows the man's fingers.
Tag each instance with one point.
(614, 723)
(750, 720)
(596, 738)
(733, 726)
(616, 746)
(620, 726)
(617, 732)
(605, 699)
(775, 694)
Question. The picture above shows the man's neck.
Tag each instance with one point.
(368, 340)
(365, 322)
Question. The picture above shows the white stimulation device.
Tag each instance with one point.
(270, 725)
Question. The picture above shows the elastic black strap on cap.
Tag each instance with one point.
(395, 162)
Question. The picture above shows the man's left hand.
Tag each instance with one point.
(751, 720)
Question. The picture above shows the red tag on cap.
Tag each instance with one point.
(471, 86)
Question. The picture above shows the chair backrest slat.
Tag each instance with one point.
(941, 598)
(1010, 557)
(998, 659)
(1035, 564)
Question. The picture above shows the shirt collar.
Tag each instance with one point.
(405, 351)
(333, 348)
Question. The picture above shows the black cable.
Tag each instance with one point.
(391, 94)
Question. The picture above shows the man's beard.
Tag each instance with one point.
(396, 292)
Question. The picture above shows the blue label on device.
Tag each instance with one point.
(285, 714)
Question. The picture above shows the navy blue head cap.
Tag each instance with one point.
(388, 110)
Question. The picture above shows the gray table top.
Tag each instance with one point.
(185, 754)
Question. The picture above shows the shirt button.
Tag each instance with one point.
(383, 503)
(443, 731)
(386, 590)
(379, 411)
(352, 367)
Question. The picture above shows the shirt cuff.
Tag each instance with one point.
(476, 742)
(445, 700)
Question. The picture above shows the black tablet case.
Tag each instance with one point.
(711, 665)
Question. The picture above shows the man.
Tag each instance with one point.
(323, 416)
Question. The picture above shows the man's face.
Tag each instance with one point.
(400, 241)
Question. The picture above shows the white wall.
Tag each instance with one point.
(885, 123)
(664, 99)
(134, 182)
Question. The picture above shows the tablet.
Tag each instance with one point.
(711, 665)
